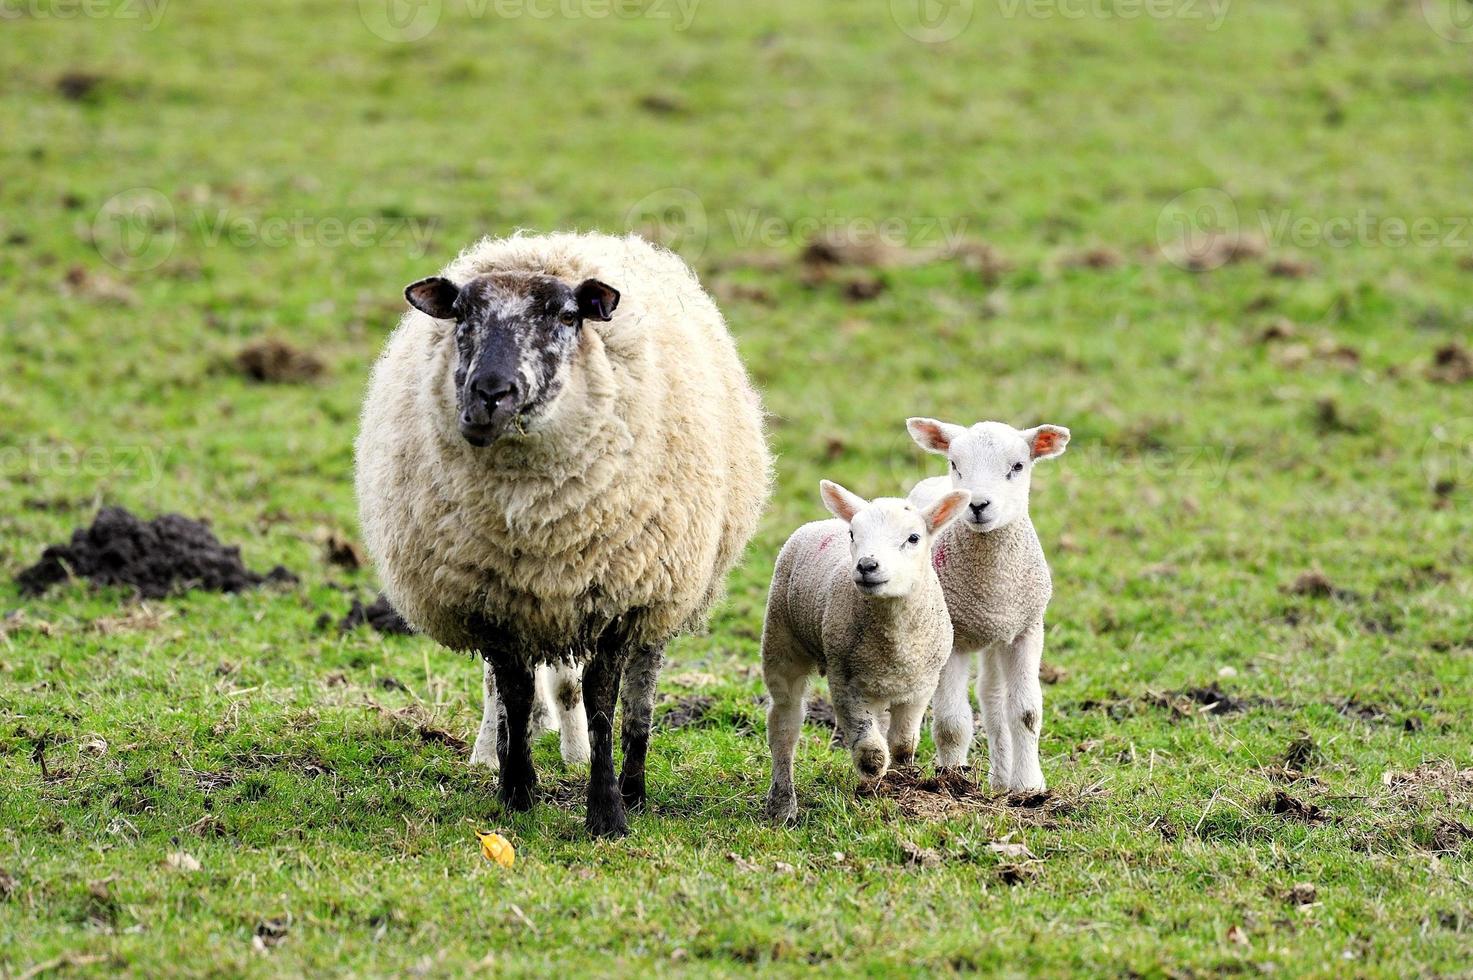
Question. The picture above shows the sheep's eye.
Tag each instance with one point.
(914, 539)
(568, 319)
(1017, 468)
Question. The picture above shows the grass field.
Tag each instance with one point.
(1245, 370)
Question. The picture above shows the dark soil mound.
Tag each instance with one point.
(157, 558)
(379, 614)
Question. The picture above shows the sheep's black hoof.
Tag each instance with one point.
(608, 822)
(632, 789)
(518, 797)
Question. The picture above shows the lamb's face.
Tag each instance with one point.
(515, 339)
(994, 461)
(889, 540)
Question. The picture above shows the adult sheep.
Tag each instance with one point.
(561, 458)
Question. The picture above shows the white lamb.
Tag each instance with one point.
(870, 613)
(557, 707)
(997, 585)
(548, 473)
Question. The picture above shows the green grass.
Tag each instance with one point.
(1208, 471)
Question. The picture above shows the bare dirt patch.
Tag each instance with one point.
(274, 360)
(685, 712)
(379, 614)
(416, 720)
(954, 792)
(157, 558)
(1451, 364)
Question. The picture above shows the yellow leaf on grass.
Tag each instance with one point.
(497, 849)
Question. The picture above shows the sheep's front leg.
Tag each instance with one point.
(518, 689)
(951, 712)
(992, 693)
(862, 730)
(641, 675)
(787, 685)
(1024, 709)
(566, 682)
(484, 751)
(905, 731)
(600, 695)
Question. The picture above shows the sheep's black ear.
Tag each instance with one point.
(435, 296)
(596, 300)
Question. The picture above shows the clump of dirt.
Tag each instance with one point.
(1317, 585)
(836, 250)
(685, 712)
(95, 286)
(157, 558)
(78, 86)
(1211, 700)
(1302, 753)
(952, 792)
(663, 104)
(343, 552)
(273, 360)
(380, 614)
(1284, 805)
(1093, 258)
(1290, 269)
(863, 289)
(1451, 364)
(417, 720)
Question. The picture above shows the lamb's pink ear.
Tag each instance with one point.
(1047, 441)
(933, 436)
(946, 510)
(840, 502)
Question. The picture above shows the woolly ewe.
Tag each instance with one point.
(997, 587)
(871, 615)
(560, 459)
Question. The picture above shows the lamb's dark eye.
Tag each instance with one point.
(567, 319)
(914, 539)
(1017, 467)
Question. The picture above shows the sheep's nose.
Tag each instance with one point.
(492, 391)
(868, 566)
(980, 506)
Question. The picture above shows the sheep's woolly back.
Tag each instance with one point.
(629, 506)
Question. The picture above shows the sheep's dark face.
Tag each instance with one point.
(515, 337)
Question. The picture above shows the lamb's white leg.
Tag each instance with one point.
(566, 693)
(544, 718)
(786, 685)
(905, 731)
(992, 693)
(863, 730)
(1024, 712)
(951, 712)
(484, 752)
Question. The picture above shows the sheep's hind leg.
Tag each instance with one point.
(484, 751)
(786, 685)
(951, 712)
(605, 816)
(567, 695)
(517, 688)
(641, 674)
(1024, 711)
(992, 692)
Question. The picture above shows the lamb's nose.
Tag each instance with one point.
(980, 506)
(868, 566)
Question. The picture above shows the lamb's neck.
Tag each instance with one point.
(894, 619)
(961, 543)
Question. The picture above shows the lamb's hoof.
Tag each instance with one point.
(518, 798)
(900, 757)
(782, 808)
(574, 750)
(871, 761)
(632, 789)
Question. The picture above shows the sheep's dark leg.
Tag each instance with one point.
(600, 695)
(638, 699)
(516, 689)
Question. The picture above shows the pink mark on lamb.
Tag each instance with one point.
(938, 557)
(822, 545)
